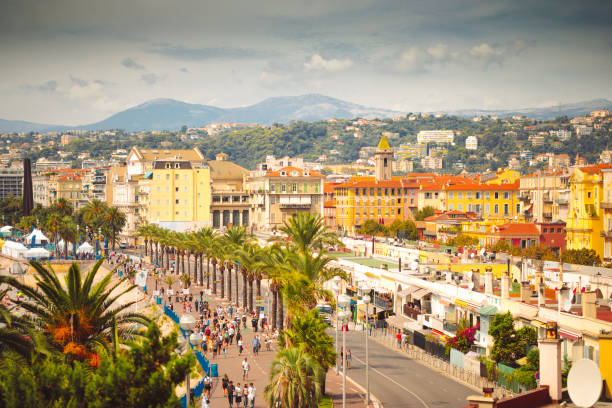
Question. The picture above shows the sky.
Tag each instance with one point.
(74, 62)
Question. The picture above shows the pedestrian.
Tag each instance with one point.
(230, 394)
(238, 395)
(398, 336)
(348, 358)
(254, 324)
(245, 369)
(255, 342)
(245, 395)
(224, 384)
(239, 347)
(205, 400)
(251, 395)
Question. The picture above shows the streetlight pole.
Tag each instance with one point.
(366, 301)
(344, 316)
(336, 289)
(187, 323)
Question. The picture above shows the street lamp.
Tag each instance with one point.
(336, 289)
(366, 300)
(187, 323)
(344, 317)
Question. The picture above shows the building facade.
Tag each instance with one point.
(11, 182)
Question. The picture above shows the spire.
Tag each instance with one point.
(383, 144)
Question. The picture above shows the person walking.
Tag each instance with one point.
(348, 358)
(251, 395)
(205, 403)
(238, 395)
(230, 394)
(245, 369)
(224, 384)
(239, 347)
(245, 395)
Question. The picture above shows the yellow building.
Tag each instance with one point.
(585, 219)
(501, 176)
(498, 203)
(179, 195)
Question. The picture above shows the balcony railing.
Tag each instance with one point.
(606, 206)
(606, 234)
(562, 201)
(286, 206)
(547, 215)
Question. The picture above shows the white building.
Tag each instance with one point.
(471, 143)
(436, 136)
(562, 134)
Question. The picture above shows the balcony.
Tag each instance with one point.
(547, 200)
(606, 234)
(547, 215)
(294, 206)
(562, 201)
(605, 206)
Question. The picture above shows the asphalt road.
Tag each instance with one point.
(399, 381)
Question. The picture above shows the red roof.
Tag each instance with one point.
(330, 204)
(595, 169)
(484, 187)
(329, 187)
(515, 228)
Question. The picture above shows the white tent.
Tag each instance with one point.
(38, 237)
(14, 249)
(85, 248)
(37, 253)
(61, 246)
(6, 229)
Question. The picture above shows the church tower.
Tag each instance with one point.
(383, 160)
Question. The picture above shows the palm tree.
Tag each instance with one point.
(54, 226)
(274, 260)
(68, 233)
(295, 380)
(251, 263)
(92, 214)
(79, 315)
(234, 238)
(145, 231)
(205, 238)
(309, 331)
(308, 233)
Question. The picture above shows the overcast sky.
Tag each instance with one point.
(78, 61)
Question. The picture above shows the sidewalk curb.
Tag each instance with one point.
(373, 399)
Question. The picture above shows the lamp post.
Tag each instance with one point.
(366, 300)
(344, 316)
(187, 323)
(336, 289)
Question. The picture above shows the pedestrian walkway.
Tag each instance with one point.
(355, 395)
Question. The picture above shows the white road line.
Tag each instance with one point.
(395, 382)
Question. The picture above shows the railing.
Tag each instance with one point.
(562, 201)
(605, 205)
(387, 337)
(301, 206)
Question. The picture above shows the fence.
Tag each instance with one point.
(433, 354)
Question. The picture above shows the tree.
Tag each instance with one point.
(508, 344)
(295, 380)
(308, 233)
(526, 374)
(115, 220)
(309, 332)
(424, 212)
(27, 223)
(371, 227)
(463, 240)
(403, 229)
(581, 256)
(79, 316)
(15, 332)
(464, 339)
(146, 374)
(68, 233)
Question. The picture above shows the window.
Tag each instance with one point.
(451, 207)
(399, 200)
(294, 188)
(506, 196)
(487, 195)
(167, 202)
(283, 188)
(272, 188)
(399, 211)
(386, 212)
(386, 191)
(176, 176)
(589, 194)
(167, 176)
(185, 213)
(559, 230)
(159, 176)
(158, 213)
(167, 189)
(186, 189)
(460, 207)
(186, 202)
(378, 192)
(392, 191)
(469, 195)
(305, 188)
(496, 195)
(379, 212)
(506, 209)
(544, 230)
(518, 209)
(168, 166)
(176, 189)
(158, 189)
(371, 212)
(518, 194)
(460, 195)
(272, 199)
(158, 202)
(487, 209)
(450, 195)
(496, 208)
(176, 201)
(477, 195)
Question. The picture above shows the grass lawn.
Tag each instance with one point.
(341, 254)
(326, 402)
(374, 263)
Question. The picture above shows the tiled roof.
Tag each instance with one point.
(329, 187)
(329, 204)
(289, 169)
(515, 228)
(595, 169)
(372, 184)
(225, 170)
(484, 187)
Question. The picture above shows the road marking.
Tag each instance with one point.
(395, 382)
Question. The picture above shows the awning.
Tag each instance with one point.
(409, 290)
(444, 302)
(419, 294)
(387, 277)
(467, 305)
(371, 275)
(487, 310)
(148, 175)
(460, 302)
(569, 334)
(538, 323)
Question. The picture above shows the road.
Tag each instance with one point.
(399, 381)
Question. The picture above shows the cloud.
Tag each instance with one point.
(183, 69)
(150, 78)
(520, 45)
(439, 52)
(317, 62)
(179, 52)
(130, 63)
(49, 86)
(487, 54)
(78, 81)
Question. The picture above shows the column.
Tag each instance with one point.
(550, 366)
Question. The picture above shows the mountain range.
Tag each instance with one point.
(170, 114)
